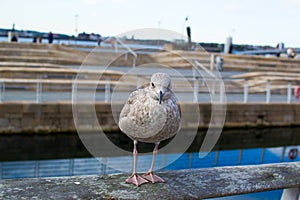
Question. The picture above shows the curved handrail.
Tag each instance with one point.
(128, 49)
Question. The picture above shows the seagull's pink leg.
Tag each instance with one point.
(134, 178)
(150, 176)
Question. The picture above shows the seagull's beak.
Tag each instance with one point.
(160, 96)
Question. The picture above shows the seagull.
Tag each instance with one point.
(150, 115)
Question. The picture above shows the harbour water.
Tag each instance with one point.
(107, 165)
(63, 154)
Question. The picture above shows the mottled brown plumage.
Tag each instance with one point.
(150, 115)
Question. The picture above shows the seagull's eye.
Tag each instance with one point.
(153, 86)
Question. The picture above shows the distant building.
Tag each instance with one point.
(95, 36)
(87, 36)
(83, 36)
(4, 32)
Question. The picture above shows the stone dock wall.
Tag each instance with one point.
(26, 117)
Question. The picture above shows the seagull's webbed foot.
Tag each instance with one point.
(153, 178)
(136, 180)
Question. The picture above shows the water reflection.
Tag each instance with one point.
(109, 165)
(64, 154)
(68, 145)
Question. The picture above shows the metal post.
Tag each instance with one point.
(37, 168)
(212, 62)
(213, 87)
(116, 45)
(262, 156)
(107, 90)
(216, 158)
(1, 171)
(222, 92)
(246, 91)
(194, 73)
(134, 61)
(103, 165)
(191, 160)
(290, 194)
(2, 92)
(74, 90)
(240, 156)
(282, 154)
(289, 92)
(38, 90)
(1, 85)
(228, 45)
(138, 82)
(196, 90)
(268, 91)
(71, 167)
(196, 85)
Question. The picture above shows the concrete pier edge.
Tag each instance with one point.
(181, 184)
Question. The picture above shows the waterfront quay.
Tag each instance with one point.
(55, 117)
(39, 84)
(43, 88)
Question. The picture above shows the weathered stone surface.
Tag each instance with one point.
(183, 184)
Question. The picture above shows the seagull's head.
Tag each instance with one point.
(160, 87)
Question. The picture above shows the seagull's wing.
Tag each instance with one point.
(134, 96)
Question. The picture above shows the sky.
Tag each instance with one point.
(256, 22)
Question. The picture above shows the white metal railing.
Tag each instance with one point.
(129, 50)
(107, 91)
(268, 91)
(289, 92)
(210, 87)
(215, 77)
(289, 88)
(38, 90)
(245, 91)
(37, 86)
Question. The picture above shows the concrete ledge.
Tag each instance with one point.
(54, 117)
(183, 184)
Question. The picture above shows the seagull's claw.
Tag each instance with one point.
(153, 178)
(136, 180)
